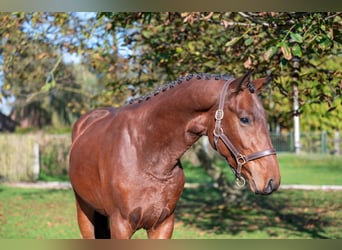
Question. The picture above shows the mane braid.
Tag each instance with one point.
(179, 81)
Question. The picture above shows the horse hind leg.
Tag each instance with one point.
(92, 224)
(85, 218)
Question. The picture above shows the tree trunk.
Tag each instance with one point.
(230, 193)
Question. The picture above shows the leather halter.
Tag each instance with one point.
(240, 158)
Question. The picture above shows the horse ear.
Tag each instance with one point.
(241, 82)
(259, 83)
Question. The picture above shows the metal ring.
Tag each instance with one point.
(240, 181)
(218, 131)
(219, 114)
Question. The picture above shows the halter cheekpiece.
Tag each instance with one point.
(218, 132)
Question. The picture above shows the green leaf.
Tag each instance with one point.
(269, 53)
(283, 63)
(179, 50)
(324, 42)
(297, 51)
(296, 37)
(249, 41)
(286, 51)
(233, 41)
(47, 86)
(147, 33)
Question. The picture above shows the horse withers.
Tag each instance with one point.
(125, 164)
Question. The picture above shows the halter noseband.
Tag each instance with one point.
(240, 158)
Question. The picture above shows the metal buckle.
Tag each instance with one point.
(219, 114)
(241, 159)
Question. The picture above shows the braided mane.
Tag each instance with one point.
(180, 80)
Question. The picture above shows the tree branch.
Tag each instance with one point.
(255, 20)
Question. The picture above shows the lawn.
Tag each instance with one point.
(310, 169)
(50, 214)
(200, 214)
(306, 169)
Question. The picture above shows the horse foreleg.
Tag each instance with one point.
(119, 227)
(85, 218)
(163, 230)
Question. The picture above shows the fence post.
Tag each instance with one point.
(291, 136)
(323, 142)
(36, 167)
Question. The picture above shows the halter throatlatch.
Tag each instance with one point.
(240, 158)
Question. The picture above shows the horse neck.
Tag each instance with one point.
(178, 118)
(188, 97)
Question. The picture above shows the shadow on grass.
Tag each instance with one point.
(284, 214)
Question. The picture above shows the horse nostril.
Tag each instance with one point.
(270, 187)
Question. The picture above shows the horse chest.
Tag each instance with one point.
(149, 217)
(149, 205)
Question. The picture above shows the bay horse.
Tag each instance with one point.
(125, 166)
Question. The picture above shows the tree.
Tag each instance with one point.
(300, 50)
(48, 90)
(168, 45)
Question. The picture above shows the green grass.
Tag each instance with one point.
(285, 214)
(50, 214)
(49, 178)
(37, 214)
(294, 169)
(310, 169)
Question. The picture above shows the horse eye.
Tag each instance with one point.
(245, 120)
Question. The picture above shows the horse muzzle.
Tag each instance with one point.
(269, 188)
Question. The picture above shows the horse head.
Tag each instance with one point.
(240, 134)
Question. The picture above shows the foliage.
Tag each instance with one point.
(48, 89)
(33, 71)
(54, 163)
(293, 47)
(302, 49)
